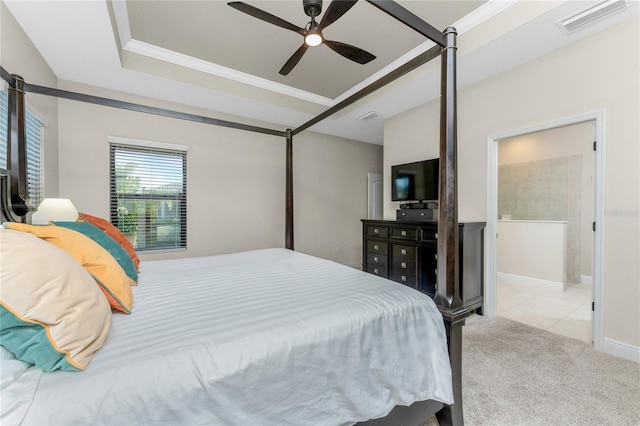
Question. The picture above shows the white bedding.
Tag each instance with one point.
(267, 337)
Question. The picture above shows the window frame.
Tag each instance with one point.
(137, 147)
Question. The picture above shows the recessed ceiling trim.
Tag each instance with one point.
(166, 55)
(485, 12)
(121, 16)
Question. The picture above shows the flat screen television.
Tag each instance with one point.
(415, 181)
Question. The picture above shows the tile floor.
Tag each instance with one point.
(567, 313)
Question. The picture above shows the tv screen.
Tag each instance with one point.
(415, 181)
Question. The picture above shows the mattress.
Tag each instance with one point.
(266, 337)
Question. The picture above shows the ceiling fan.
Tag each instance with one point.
(312, 32)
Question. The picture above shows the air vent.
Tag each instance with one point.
(591, 14)
(369, 115)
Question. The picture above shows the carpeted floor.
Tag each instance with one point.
(514, 374)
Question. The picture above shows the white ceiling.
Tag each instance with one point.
(208, 55)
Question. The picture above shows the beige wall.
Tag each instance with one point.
(330, 192)
(235, 178)
(600, 72)
(19, 56)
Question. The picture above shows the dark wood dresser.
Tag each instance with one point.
(406, 252)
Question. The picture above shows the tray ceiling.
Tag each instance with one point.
(208, 55)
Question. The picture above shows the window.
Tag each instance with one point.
(35, 136)
(149, 193)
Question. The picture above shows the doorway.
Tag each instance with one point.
(374, 196)
(491, 293)
(545, 241)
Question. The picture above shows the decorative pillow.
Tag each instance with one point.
(113, 281)
(109, 244)
(114, 233)
(52, 313)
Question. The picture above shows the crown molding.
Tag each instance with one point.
(146, 49)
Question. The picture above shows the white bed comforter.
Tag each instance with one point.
(267, 337)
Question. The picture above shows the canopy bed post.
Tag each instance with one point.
(289, 192)
(15, 204)
(448, 289)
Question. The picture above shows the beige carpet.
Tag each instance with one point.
(514, 374)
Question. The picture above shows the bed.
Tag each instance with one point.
(266, 337)
(262, 337)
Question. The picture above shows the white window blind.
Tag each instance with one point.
(35, 137)
(149, 194)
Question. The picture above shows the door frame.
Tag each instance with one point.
(371, 179)
(491, 293)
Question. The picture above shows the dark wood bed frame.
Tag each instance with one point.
(16, 207)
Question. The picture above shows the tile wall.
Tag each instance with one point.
(545, 190)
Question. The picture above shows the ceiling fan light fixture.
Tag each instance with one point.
(313, 38)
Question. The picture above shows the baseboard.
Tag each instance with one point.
(586, 279)
(536, 282)
(621, 350)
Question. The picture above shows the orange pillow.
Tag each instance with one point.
(113, 281)
(114, 233)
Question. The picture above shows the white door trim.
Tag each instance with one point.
(372, 198)
(490, 301)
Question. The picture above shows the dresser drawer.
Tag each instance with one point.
(403, 253)
(408, 233)
(377, 231)
(377, 247)
(377, 270)
(429, 234)
(404, 277)
(377, 259)
(419, 215)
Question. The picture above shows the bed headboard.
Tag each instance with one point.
(15, 205)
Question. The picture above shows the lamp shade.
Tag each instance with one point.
(61, 209)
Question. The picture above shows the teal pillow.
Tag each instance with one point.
(105, 241)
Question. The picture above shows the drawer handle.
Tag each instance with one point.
(375, 258)
(403, 233)
(421, 214)
(403, 265)
(376, 231)
(436, 236)
(403, 278)
(375, 247)
(375, 271)
(436, 256)
(403, 214)
(436, 271)
(403, 251)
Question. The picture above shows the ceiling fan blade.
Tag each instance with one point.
(294, 59)
(336, 9)
(265, 16)
(350, 52)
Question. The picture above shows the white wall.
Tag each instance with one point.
(19, 56)
(595, 73)
(532, 252)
